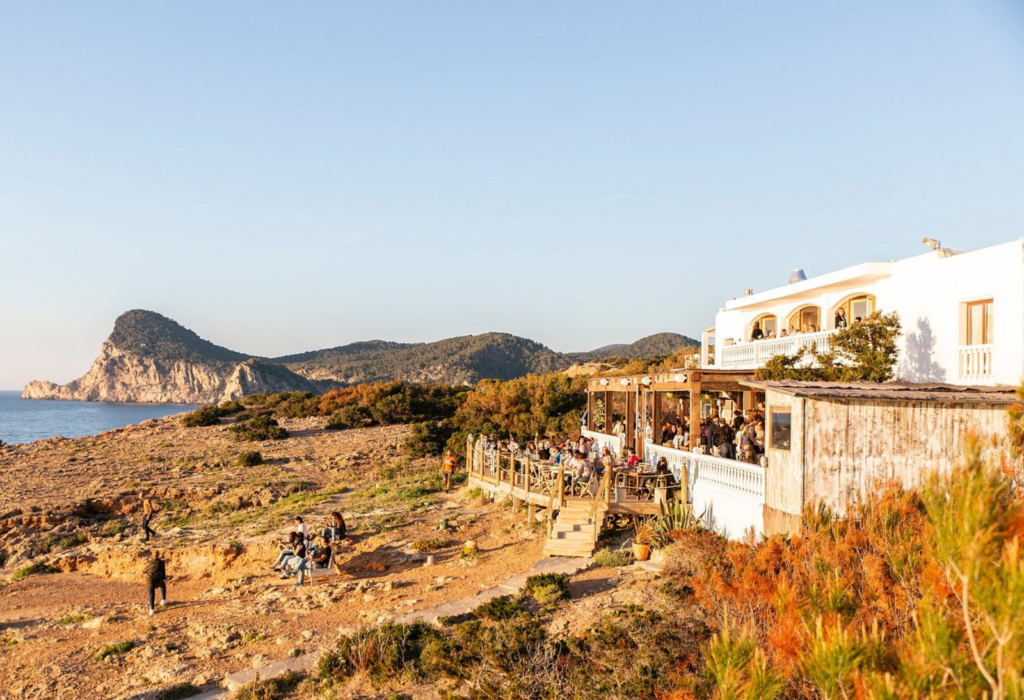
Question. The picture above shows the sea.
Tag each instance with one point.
(24, 420)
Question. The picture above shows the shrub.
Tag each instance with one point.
(258, 429)
(382, 653)
(287, 404)
(548, 588)
(504, 607)
(203, 417)
(115, 649)
(178, 691)
(432, 545)
(62, 542)
(348, 417)
(36, 568)
(613, 557)
(229, 408)
(113, 527)
(270, 688)
(428, 438)
(250, 458)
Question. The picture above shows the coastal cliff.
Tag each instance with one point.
(151, 359)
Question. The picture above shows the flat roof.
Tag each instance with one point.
(890, 391)
(812, 286)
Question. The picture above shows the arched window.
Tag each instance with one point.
(855, 306)
(768, 323)
(806, 319)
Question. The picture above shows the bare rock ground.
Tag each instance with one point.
(72, 504)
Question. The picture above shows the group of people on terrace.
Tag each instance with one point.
(758, 333)
(581, 461)
(741, 437)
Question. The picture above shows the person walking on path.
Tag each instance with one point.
(156, 577)
(447, 469)
(149, 509)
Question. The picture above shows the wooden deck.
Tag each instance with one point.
(575, 512)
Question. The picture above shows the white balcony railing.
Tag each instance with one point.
(601, 440)
(754, 354)
(977, 363)
(728, 475)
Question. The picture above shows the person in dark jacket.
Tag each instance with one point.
(156, 577)
(320, 560)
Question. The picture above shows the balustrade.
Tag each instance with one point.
(977, 363)
(754, 354)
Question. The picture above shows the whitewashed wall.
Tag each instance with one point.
(727, 512)
(926, 291)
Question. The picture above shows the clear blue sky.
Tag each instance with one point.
(287, 176)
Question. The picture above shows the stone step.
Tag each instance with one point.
(569, 548)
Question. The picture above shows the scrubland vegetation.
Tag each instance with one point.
(914, 594)
(441, 416)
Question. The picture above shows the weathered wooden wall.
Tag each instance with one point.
(784, 477)
(850, 447)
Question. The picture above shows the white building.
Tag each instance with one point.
(962, 315)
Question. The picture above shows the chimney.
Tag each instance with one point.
(797, 276)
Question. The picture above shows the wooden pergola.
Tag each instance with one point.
(637, 388)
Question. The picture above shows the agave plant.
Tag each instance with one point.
(676, 516)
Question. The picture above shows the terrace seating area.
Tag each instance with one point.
(756, 353)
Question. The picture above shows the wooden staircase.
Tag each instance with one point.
(574, 532)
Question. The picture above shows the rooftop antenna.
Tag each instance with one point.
(937, 247)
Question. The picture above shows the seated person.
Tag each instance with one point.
(631, 459)
(287, 550)
(320, 560)
(292, 563)
(335, 529)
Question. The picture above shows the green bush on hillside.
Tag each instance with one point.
(203, 417)
(258, 428)
(250, 458)
(287, 404)
(37, 568)
(429, 438)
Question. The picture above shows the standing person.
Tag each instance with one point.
(156, 577)
(841, 318)
(149, 509)
(300, 527)
(447, 469)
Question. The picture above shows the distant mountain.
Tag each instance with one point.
(462, 360)
(651, 346)
(151, 358)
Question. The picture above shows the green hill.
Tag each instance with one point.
(154, 336)
(651, 346)
(461, 360)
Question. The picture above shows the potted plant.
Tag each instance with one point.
(643, 536)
